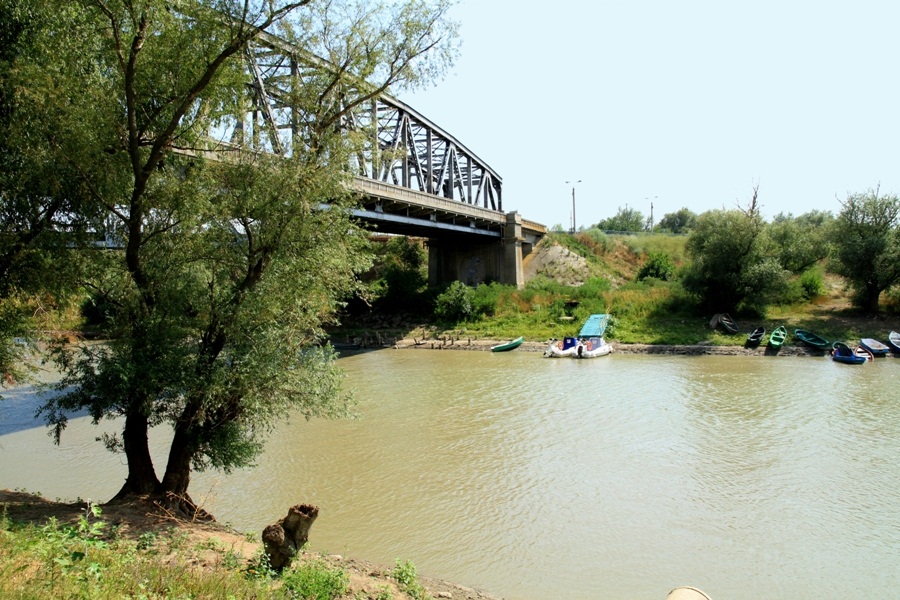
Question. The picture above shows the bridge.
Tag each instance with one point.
(415, 179)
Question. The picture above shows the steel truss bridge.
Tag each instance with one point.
(415, 178)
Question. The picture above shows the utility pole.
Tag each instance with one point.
(574, 226)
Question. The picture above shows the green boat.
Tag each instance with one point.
(811, 339)
(778, 336)
(508, 345)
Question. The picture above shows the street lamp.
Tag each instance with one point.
(573, 203)
(651, 210)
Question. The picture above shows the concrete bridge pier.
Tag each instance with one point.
(479, 262)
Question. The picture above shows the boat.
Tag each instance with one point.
(727, 323)
(564, 347)
(811, 339)
(778, 336)
(894, 341)
(511, 345)
(592, 348)
(756, 336)
(874, 346)
(841, 352)
(595, 326)
(863, 352)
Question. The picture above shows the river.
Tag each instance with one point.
(535, 478)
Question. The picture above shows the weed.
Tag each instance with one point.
(408, 580)
(316, 580)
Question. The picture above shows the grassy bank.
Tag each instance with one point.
(55, 550)
(603, 276)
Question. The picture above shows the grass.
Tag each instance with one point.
(649, 311)
(90, 560)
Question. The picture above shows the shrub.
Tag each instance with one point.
(456, 303)
(813, 283)
(316, 580)
(658, 265)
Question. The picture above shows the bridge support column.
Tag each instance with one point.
(513, 273)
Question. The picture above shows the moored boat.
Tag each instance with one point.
(841, 352)
(874, 346)
(592, 348)
(811, 339)
(755, 337)
(728, 323)
(863, 352)
(511, 345)
(564, 347)
(779, 334)
(894, 341)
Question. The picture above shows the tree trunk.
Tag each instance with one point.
(872, 295)
(178, 469)
(141, 474)
(286, 537)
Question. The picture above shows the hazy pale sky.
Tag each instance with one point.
(683, 104)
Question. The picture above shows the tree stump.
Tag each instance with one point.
(286, 537)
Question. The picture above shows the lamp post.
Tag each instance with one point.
(651, 211)
(573, 203)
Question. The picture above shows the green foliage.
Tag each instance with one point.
(315, 580)
(402, 269)
(487, 296)
(408, 580)
(800, 242)
(866, 241)
(732, 267)
(680, 221)
(625, 220)
(813, 283)
(457, 303)
(658, 265)
(228, 270)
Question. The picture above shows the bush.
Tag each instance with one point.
(813, 283)
(486, 298)
(315, 580)
(658, 265)
(456, 303)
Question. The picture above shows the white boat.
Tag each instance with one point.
(592, 348)
(564, 347)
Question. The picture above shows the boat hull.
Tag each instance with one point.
(593, 348)
(776, 340)
(811, 339)
(508, 345)
(894, 341)
(842, 353)
(874, 346)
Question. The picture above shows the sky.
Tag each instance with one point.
(679, 104)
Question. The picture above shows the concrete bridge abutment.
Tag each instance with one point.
(476, 262)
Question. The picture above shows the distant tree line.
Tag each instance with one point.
(738, 261)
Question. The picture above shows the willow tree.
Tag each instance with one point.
(229, 265)
(733, 265)
(866, 241)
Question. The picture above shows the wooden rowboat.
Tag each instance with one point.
(894, 341)
(512, 345)
(863, 352)
(728, 323)
(874, 346)
(756, 336)
(811, 339)
(778, 336)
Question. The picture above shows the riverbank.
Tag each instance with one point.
(450, 343)
(208, 547)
